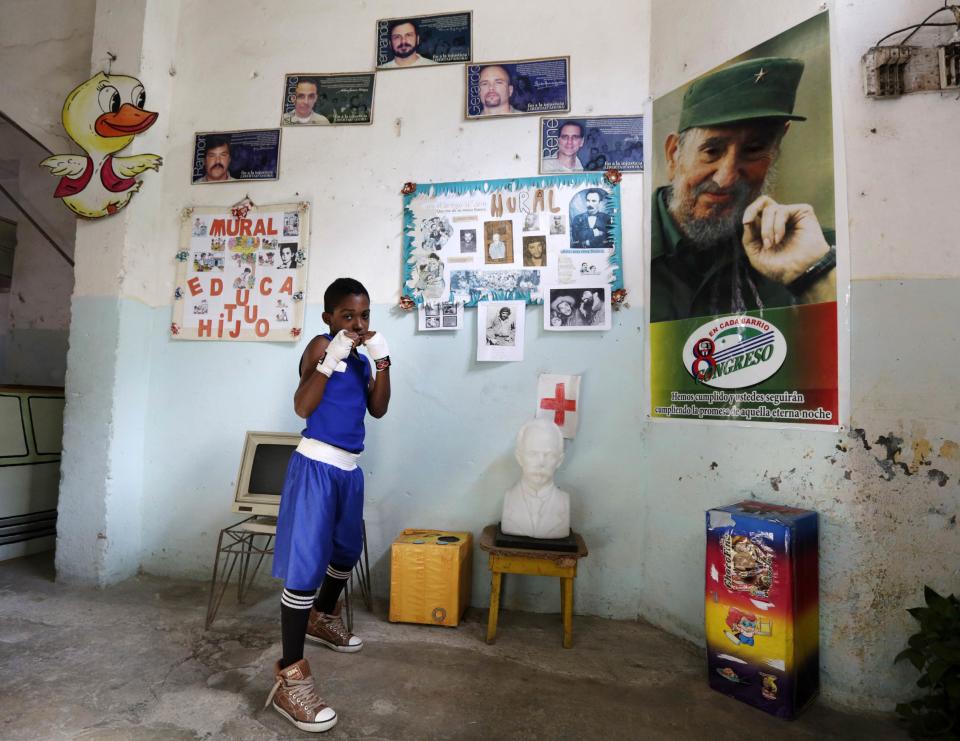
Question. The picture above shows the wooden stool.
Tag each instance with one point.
(538, 563)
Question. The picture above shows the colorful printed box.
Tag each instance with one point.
(762, 619)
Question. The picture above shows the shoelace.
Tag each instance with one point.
(302, 691)
(335, 624)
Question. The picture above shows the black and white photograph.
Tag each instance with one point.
(323, 99)
(517, 88)
(587, 263)
(590, 224)
(500, 330)
(424, 40)
(577, 308)
(531, 222)
(558, 225)
(287, 256)
(591, 144)
(535, 252)
(434, 315)
(291, 224)
(436, 233)
(468, 241)
(226, 156)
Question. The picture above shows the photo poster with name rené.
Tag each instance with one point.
(506, 240)
(742, 264)
(242, 273)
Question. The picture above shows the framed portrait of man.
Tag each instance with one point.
(321, 99)
(229, 156)
(424, 40)
(517, 88)
(591, 144)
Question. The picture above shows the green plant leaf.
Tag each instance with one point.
(931, 597)
(936, 670)
(904, 709)
(916, 658)
(952, 687)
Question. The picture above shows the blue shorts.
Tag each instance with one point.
(320, 521)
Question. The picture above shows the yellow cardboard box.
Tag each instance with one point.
(431, 572)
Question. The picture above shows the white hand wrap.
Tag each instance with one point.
(377, 346)
(338, 349)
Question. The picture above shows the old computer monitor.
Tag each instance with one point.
(263, 467)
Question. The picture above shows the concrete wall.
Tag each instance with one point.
(36, 313)
(441, 458)
(45, 52)
(887, 486)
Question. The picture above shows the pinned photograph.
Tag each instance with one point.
(473, 286)
(436, 315)
(322, 99)
(516, 88)
(222, 157)
(531, 222)
(558, 225)
(586, 266)
(291, 224)
(436, 233)
(590, 224)
(500, 330)
(468, 241)
(534, 252)
(577, 308)
(288, 256)
(498, 242)
(424, 40)
(427, 276)
(591, 144)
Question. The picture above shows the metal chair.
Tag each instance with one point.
(253, 537)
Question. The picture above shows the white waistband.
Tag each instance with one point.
(326, 453)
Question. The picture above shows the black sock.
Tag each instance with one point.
(333, 584)
(294, 611)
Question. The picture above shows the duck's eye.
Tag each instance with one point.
(109, 99)
(139, 96)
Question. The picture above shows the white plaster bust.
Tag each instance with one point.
(534, 506)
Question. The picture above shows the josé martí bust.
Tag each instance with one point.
(534, 507)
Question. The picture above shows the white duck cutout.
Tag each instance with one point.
(102, 116)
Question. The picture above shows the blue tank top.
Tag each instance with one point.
(338, 418)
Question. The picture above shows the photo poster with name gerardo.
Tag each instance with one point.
(241, 273)
(744, 317)
(506, 240)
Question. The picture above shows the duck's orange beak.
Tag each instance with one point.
(127, 121)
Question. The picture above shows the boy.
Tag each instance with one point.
(320, 527)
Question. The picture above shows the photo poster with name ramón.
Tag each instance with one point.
(505, 240)
(241, 273)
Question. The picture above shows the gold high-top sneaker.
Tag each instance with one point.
(329, 630)
(295, 697)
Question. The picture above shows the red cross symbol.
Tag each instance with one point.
(560, 404)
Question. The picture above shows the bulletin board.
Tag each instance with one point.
(241, 273)
(509, 240)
